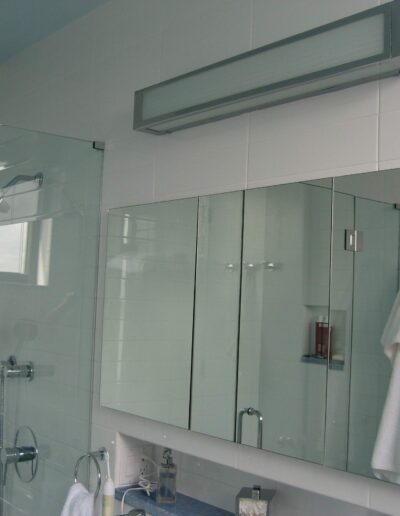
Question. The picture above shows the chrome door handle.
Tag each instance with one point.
(250, 411)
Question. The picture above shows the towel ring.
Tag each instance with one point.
(94, 456)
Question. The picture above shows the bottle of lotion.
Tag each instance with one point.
(108, 492)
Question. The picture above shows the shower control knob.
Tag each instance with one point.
(15, 455)
(19, 454)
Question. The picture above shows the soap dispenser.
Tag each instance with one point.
(166, 492)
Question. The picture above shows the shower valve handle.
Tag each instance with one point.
(16, 455)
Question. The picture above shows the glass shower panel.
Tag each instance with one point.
(148, 310)
(285, 292)
(215, 342)
(48, 249)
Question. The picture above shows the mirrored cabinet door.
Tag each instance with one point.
(216, 317)
(148, 310)
(284, 329)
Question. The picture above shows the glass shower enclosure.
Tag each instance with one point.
(49, 216)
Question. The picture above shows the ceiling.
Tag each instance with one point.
(23, 22)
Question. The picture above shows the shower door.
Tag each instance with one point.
(48, 258)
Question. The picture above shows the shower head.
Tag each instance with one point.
(38, 178)
(21, 178)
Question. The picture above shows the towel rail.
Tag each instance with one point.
(97, 455)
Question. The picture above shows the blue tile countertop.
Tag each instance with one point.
(185, 505)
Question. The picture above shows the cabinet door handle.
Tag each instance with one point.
(250, 411)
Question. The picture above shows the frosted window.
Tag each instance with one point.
(13, 245)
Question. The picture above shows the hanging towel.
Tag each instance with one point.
(79, 502)
(386, 456)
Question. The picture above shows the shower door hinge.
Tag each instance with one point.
(99, 145)
(354, 240)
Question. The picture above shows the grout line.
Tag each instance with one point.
(247, 144)
(378, 129)
(252, 23)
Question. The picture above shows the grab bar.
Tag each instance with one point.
(100, 454)
(250, 411)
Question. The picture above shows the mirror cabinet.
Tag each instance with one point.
(256, 316)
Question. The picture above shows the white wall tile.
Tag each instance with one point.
(389, 139)
(195, 34)
(321, 136)
(207, 159)
(272, 21)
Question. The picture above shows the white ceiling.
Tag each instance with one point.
(23, 22)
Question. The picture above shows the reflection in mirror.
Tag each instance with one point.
(216, 314)
(366, 283)
(25, 234)
(148, 310)
(284, 327)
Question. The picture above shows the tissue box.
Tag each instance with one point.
(253, 501)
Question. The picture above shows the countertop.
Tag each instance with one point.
(184, 506)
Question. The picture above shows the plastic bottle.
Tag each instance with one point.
(319, 328)
(166, 492)
(108, 493)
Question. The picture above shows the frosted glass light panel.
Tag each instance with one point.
(148, 310)
(356, 49)
(373, 199)
(216, 314)
(285, 292)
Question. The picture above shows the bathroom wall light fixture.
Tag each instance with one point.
(357, 49)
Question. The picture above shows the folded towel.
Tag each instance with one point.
(79, 502)
(391, 334)
(386, 456)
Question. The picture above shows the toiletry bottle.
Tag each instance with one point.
(319, 325)
(108, 492)
(166, 492)
(325, 337)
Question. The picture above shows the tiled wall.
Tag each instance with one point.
(80, 82)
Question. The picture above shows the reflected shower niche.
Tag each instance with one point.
(255, 316)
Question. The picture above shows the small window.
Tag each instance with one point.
(25, 252)
(13, 248)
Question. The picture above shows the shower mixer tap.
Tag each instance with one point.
(11, 369)
(19, 454)
(16, 455)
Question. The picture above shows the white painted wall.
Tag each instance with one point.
(80, 82)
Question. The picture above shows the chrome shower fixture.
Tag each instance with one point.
(21, 178)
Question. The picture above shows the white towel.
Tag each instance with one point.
(386, 456)
(79, 502)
